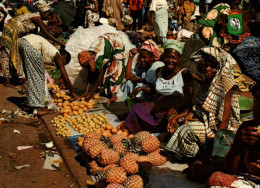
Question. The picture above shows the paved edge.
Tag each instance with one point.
(67, 153)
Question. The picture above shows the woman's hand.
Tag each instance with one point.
(135, 92)
(249, 135)
(172, 124)
(133, 52)
(74, 96)
(89, 96)
(87, 7)
(171, 112)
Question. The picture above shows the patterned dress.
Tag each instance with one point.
(110, 50)
(13, 29)
(35, 52)
(91, 17)
(189, 138)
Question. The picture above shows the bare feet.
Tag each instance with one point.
(7, 83)
(44, 111)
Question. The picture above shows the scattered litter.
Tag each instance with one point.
(20, 167)
(16, 131)
(49, 144)
(13, 155)
(9, 115)
(24, 147)
(51, 163)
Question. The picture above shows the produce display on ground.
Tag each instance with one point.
(118, 160)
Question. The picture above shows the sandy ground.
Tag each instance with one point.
(32, 133)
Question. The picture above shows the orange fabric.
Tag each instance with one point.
(136, 4)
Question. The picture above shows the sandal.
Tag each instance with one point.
(51, 111)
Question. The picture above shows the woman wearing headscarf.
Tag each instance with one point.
(143, 75)
(105, 61)
(15, 29)
(173, 89)
(215, 106)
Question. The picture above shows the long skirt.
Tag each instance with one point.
(161, 23)
(35, 74)
(140, 118)
(187, 140)
(7, 68)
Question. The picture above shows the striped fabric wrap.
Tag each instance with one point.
(221, 84)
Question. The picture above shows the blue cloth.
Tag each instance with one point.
(247, 55)
(74, 141)
(139, 72)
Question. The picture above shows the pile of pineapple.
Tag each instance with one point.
(82, 124)
(118, 159)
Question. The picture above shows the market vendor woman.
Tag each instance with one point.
(105, 61)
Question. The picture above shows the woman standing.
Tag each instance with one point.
(105, 61)
(92, 14)
(173, 88)
(13, 30)
(114, 9)
(159, 12)
(216, 105)
(36, 51)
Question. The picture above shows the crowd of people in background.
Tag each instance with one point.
(178, 65)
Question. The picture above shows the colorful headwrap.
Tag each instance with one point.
(151, 46)
(174, 44)
(42, 6)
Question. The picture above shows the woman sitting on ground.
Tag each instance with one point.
(105, 62)
(173, 89)
(143, 75)
(243, 157)
(216, 104)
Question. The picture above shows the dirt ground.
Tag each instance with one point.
(32, 133)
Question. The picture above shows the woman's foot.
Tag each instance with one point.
(44, 111)
(7, 83)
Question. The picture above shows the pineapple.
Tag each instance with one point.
(91, 135)
(89, 143)
(94, 168)
(116, 175)
(139, 137)
(121, 148)
(134, 181)
(106, 168)
(156, 158)
(117, 138)
(108, 156)
(96, 149)
(150, 144)
(129, 163)
(115, 185)
(144, 162)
